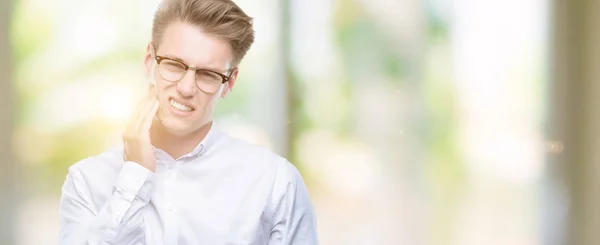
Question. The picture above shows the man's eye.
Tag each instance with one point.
(208, 76)
(172, 65)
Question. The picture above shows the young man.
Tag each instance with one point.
(177, 179)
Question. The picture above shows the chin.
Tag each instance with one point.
(180, 126)
(176, 128)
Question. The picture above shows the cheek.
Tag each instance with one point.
(164, 88)
(162, 91)
(208, 102)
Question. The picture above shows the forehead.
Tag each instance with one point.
(196, 48)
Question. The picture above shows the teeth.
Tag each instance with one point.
(180, 106)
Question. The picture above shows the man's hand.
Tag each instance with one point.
(136, 137)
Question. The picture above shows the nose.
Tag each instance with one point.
(187, 85)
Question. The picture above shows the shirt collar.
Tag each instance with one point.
(207, 143)
(202, 148)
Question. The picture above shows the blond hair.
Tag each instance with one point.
(220, 18)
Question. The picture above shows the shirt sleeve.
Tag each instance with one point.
(294, 218)
(118, 221)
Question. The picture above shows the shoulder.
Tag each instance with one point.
(259, 157)
(92, 178)
(286, 182)
(98, 166)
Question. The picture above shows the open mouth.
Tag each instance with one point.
(180, 106)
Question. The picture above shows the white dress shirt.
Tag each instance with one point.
(225, 192)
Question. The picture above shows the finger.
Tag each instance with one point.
(148, 118)
(140, 105)
(152, 91)
(134, 115)
(141, 108)
(140, 113)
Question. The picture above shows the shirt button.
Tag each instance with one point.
(171, 209)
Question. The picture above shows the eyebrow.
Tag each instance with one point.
(173, 57)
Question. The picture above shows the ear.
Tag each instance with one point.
(229, 85)
(148, 59)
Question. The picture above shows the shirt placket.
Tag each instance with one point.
(171, 221)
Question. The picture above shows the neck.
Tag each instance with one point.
(177, 145)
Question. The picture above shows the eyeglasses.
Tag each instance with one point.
(174, 70)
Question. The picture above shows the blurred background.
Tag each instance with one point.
(457, 122)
